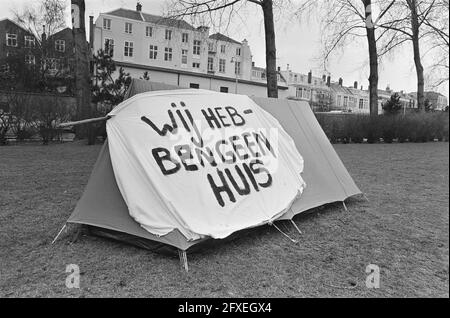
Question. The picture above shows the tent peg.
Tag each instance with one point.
(183, 260)
(345, 206)
(59, 233)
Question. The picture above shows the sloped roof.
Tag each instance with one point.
(224, 38)
(145, 17)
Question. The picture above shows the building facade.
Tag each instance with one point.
(174, 52)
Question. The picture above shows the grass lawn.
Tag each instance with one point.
(404, 230)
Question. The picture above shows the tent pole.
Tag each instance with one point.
(183, 260)
(284, 234)
(296, 227)
(345, 207)
(59, 233)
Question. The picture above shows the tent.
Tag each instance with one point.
(103, 209)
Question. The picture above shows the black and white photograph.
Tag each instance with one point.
(224, 154)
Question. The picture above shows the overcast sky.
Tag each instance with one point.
(298, 44)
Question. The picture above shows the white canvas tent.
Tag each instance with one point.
(102, 206)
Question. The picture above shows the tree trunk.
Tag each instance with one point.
(271, 52)
(416, 50)
(82, 73)
(373, 60)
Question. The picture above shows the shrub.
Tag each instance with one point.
(413, 127)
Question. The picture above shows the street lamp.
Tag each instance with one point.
(234, 60)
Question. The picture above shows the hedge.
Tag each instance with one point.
(413, 127)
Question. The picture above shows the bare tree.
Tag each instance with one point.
(437, 25)
(47, 16)
(411, 20)
(350, 21)
(206, 10)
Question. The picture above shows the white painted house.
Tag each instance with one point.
(177, 53)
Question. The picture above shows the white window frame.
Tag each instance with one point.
(238, 51)
(128, 50)
(60, 46)
(197, 47)
(223, 48)
(148, 31)
(185, 37)
(168, 34)
(210, 64)
(196, 65)
(128, 28)
(11, 39)
(153, 52)
(184, 57)
(222, 65)
(237, 68)
(110, 48)
(168, 54)
(29, 41)
(30, 59)
(106, 24)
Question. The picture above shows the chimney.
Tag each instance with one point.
(44, 36)
(355, 85)
(139, 7)
(341, 81)
(91, 31)
(361, 87)
(310, 77)
(279, 69)
(329, 81)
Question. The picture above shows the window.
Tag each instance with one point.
(60, 46)
(210, 64)
(361, 103)
(339, 100)
(109, 47)
(53, 64)
(168, 34)
(184, 57)
(184, 38)
(168, 54)
(222, 48)
(30, 59)
(107, 24)
(148, 31)
(11, 39)
(153, 53)
(128, 28)
(29, 41)
(223, 89)
(238, 51)
(196, 65)
(194, 85)
(345, 101)
(196, 50)
(128, 49)
(210, 47)
(237, 68)
(222, 65)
